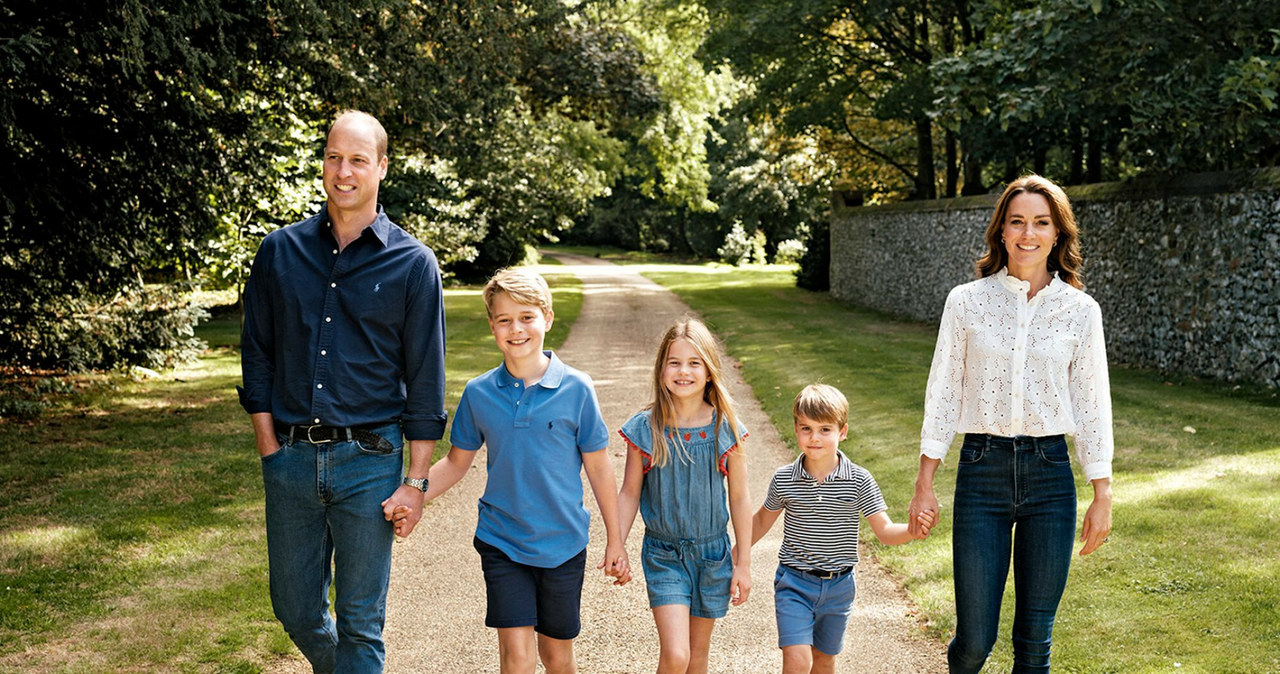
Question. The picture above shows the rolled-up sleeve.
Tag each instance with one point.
(257, 337)
(424, 415)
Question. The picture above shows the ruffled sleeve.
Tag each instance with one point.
(726, 443)
(638, 437)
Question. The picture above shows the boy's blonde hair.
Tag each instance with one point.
(822, 403)
(524, 285)
(663, 413)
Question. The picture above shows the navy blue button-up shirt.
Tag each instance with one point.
(345, 338)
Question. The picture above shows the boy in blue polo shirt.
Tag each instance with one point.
(823, 494)
(541, 423)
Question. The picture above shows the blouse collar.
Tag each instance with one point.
(1017, 285)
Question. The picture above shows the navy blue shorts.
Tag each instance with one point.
(519, 595)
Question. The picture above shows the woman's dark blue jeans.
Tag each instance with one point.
(1013, 495)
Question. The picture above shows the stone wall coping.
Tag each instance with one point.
(1137, 189)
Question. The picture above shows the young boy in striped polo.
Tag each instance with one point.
(824, 494)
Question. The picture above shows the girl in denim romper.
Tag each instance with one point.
(687, 477)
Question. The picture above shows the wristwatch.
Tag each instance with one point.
(417, 483)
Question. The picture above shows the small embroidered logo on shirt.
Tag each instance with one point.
(549, 425)
(377, 287)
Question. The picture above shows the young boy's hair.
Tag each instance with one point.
(524, 285)
(822, 403)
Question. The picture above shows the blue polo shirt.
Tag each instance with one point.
(532, 506)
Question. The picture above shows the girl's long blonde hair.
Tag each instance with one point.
(662, 411)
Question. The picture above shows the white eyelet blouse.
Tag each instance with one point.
(1008, 366)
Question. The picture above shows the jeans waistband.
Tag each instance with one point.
(1017, 441)
(685, 541)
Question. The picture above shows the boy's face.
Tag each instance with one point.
(518, 328)
(819, 439)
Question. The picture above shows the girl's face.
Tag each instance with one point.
(685, 374)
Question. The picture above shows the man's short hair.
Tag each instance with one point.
(524, 285)
(822, 403)
(379, 133)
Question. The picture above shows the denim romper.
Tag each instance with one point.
(686, 554)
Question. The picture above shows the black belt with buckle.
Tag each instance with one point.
(319, 434)
(818, 573)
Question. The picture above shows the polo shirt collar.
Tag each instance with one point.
(381, 225)
(550, 379)
(843, 471)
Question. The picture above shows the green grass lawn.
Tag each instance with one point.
(1189, 582)
(131, 515)
(131, 524)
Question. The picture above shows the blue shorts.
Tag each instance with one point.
(520, 595)
(694, 573)
(812, 611)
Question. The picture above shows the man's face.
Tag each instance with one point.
(352, 168)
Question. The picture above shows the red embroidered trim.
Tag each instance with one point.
(724, 458)
(646, 459)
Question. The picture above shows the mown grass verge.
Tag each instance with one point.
(1189, 580)
(131, 524)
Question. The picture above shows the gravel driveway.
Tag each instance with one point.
(435, 611)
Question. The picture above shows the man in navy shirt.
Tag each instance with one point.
(343, 360)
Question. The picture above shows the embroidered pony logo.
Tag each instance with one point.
(377, 287)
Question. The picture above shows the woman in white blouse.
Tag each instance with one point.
(1020, 361)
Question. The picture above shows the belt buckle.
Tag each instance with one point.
(828, 575)
(313, 440)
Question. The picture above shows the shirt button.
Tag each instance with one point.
(319, 385)
(324, 352)
(335, 251)
(517, 384)
(328, 319)
(317, 420)
(333, 285)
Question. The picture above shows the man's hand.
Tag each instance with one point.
(403, 509)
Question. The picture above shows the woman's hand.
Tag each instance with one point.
(1097, 520)
(924, 500)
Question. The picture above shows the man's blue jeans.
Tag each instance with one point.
(1012, 494)
(324, 503)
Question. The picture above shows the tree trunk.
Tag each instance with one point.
(924, 188)
(953, 168)
(1077, 155)
(972, 176)
(1093, 167)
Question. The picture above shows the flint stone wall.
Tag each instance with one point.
(1187, 270)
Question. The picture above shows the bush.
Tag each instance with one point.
(737, 246)
(149, 326)
(789, 252)
(815, 265)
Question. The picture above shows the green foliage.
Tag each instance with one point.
(815, 265)
(1175, 86)
(790, 251)
(737, 246)
(151, 327)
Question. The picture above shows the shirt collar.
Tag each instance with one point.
(843, 471)
(1017, 285)
(550, 379)
(381, 224)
